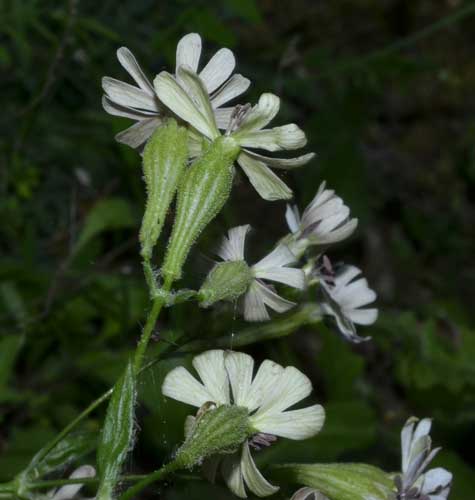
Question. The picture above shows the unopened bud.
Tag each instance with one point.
(204, 190)
(218, 430)
(164, 161)
(226, 281)
(341, 481)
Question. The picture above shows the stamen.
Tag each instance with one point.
(237, 116)
(261, 440)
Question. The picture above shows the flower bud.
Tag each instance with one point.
(341, 481)
(226, 281)
(203, 191)
(218, 430)
(164, 161)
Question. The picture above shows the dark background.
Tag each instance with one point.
(385, 92)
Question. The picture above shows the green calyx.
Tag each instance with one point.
(219, 430)
(226, 281)
(339, 481)
(164, 161)
(202, 192)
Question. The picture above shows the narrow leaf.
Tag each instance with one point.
(118, 433)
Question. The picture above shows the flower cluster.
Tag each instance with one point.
(227, 378)
(191, 139)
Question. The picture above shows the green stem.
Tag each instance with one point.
(157, 304)
(156, 476)
(55, 483)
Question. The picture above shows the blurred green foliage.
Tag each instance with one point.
(393, 125)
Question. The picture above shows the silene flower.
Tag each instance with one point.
(344, 298)
(140, 102)
(257, 293)
(326, 220)
(414, 483)
(188, 98)
(228, 378)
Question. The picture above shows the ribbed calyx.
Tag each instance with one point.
(164, 161)
(226, 281)
(219, 430)
(204, 189)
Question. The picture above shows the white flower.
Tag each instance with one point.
(140, 103)
(414, 482)
(227, 379)
(69, 491)
(273, 267)
(308, 494)
(246, 127)
(326, 220)
(344, 298)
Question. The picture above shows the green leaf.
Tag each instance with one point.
(69, 450)
(107, 214)
(117, 434)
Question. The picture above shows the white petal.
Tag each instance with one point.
(130, 64)
(218, 69)
(254, 480)
(356, 294)
(210, 368)
(346, 274)
(294, 424)
(232, 247)
(280, 256)
(275, 139)
(348, 295)
(292, 218)
(422, 429)
(199, 94)
(127, 95)
(268, 373)
(239, 367)
(284, 163)
(234, 87)
(178, 101)
(117, 110)
(274, 301)
(266, 183)
(232, 474)
(188, 51)
(223, 117)
(69, 491)
(435, 479)
(139, 132)
(179, 384)
(254, 307)
(406, 442)
(286, 275)
(331, 208)
(292, 387)
(260, 115)
(339, 234)
(363, 316)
